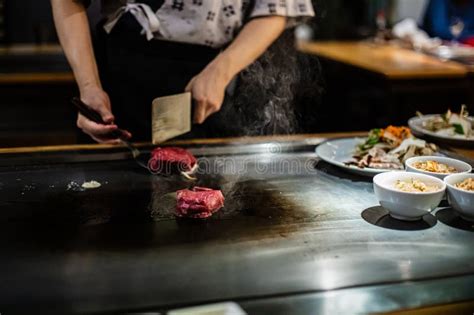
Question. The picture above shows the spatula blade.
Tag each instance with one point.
(171, 117)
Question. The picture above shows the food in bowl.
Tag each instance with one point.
(467, 184)
(415, 186)
(435, 167)
(459, 195)
(403, 205)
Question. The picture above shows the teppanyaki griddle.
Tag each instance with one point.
(291, 225)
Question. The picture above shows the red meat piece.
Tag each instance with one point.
(171, 160)
(199, 202)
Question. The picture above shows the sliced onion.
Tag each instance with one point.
(188, 174)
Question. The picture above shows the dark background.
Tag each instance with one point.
(29, 21)
(349, 99)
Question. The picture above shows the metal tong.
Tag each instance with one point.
(91, 114)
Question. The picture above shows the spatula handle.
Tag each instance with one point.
(87, 111)
(91, 114)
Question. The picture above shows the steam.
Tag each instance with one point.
(271, 91)
(277, 94)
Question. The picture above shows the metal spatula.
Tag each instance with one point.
(171, 117)
(91, 114)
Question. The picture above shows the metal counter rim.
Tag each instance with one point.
(209, 141)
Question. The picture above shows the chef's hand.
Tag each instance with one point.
(208, 91)
(98, 100)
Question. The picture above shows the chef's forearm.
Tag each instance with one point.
(73, 30)
(254, 39)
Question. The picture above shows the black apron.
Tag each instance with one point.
(135, 71)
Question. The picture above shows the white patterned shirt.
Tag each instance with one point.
(213, 23)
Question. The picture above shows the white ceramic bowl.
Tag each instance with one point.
(407, 206)
(460, 166)
(461, 200)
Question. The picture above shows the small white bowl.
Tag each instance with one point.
(460, 166)
(407, 206)
(461, 200)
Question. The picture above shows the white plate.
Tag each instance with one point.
(416, 126)
(339, 151)
(452, 52)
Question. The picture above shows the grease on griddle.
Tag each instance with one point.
(74, 186)
(28, 187)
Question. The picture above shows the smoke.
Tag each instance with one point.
(268, 84)
(277, 94)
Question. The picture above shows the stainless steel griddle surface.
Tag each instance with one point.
(291, 225)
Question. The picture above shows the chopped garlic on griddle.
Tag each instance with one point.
(91, 185)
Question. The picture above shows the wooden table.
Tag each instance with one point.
(390, 61)
(376, 85)
(216, 141)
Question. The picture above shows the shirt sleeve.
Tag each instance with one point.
(438, 16)
(295, 10)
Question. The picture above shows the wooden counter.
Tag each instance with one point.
(31, 77)
(210, 141)
(389, 61)
(26, 56)
(216, 141)
(30, 49)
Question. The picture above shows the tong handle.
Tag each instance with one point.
(91, 114)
